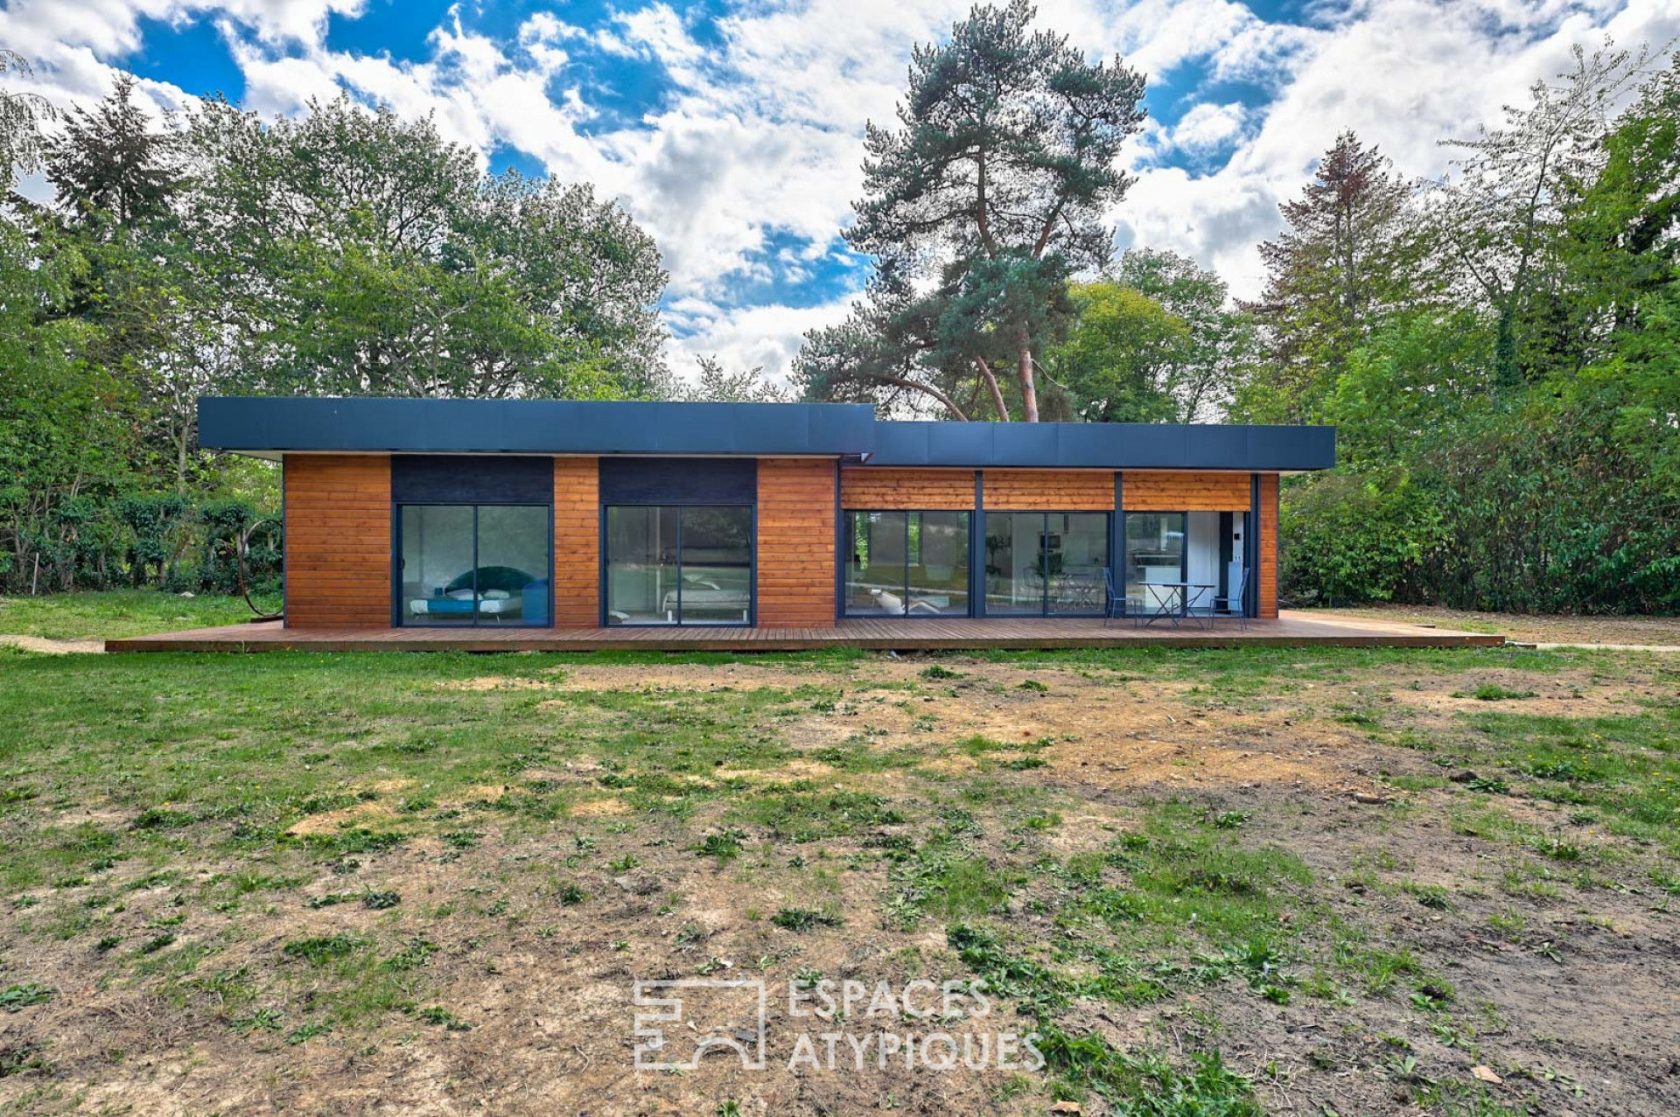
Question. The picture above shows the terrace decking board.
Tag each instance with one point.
(1291, 629)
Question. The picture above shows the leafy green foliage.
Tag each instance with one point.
(16, 997)
(324, 948)
(804, 919)
(341, 251)
(1506, 397)
(1158, 344)
(1356, 537)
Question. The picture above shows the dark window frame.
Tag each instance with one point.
(1044, 533)
(681, 506)
(398, 617)
(848, 549)
(1183, 551)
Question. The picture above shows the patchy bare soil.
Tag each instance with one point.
(42, 645)
(1529, 628)
(1343, 872)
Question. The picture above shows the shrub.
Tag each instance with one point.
(1351, 537)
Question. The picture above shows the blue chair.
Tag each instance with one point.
(1114, 603)
(1235, 605)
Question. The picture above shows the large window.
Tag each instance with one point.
(671, 564)
(907, 564)
(1040, 563)
(470, 564)
(1155, 561)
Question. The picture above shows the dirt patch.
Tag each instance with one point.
(790, 771)
(1558, 694)
(524, 931)
(330, 822)
(600, 808)
(738, 676)
(498, 682)
(44, 646)
(1530, 628)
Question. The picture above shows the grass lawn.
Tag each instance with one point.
(115, 614)
(1219, 882)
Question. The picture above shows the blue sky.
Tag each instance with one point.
(732, 131)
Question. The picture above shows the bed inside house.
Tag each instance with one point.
(489, 594)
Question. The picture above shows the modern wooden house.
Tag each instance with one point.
(533, 514)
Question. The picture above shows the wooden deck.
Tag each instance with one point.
(1292, 629)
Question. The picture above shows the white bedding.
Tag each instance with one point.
(489, 606)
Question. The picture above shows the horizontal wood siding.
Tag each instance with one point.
(338, 541)
(870, 490)
(1049, 490)
(577, 542)
(795, 542)
(1186, 492)
(1267, 606)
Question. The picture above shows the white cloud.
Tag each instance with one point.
(759, 138)
(744, 337)
(1404, 74)
(1206, 126)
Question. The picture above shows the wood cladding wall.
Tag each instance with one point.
(1267, 603)
(338, 528)
(1186, 492)
(1049, 490)
(577, 542)
(796, 542)
(878, 490)
(338, 540)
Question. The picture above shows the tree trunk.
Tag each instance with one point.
(1024, 372)
(990, 380)
(183, 438)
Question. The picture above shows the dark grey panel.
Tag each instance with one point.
(742, 429)
(471, 479)
(679, 481)
(532, 426)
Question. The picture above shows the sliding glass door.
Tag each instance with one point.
(1156, 566)
(669, 564)
(1046, 563)
(907, 564)
(465, 565)
(715, 561)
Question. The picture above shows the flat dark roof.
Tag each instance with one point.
(271, 426)
(1105, 445)
(282, 424)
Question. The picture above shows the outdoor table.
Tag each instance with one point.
(1189, 596)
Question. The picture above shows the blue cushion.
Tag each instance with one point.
(534, 606)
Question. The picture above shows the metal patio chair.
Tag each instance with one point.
(1235, 605)
(1114, 603)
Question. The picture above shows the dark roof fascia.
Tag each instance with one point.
(1213, 446)
(448, 426)
(276, 425)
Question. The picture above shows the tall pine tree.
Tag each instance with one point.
(980, 204)
(110, 163)
(1330, 273)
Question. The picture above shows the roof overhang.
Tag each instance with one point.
(1105, 446)
(269, 425)
(275, 426)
